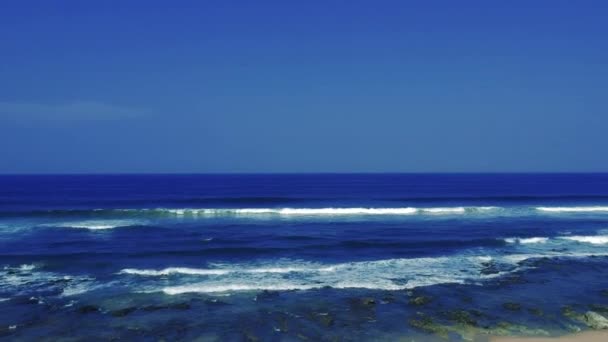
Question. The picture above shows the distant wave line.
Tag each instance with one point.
(580, 209)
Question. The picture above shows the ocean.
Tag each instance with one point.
(294, 257)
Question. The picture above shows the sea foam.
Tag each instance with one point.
(96, 224)
(573, 209)
(332, 211)
(595, 240)
(388, 274)
(207, 271)
(525, 241)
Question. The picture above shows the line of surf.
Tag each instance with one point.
(331, 211)
(206, 271)
(581, 209)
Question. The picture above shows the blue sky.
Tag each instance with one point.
(303, 86)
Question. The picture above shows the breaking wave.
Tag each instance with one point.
(573, 209)
(360, 211)
(95, 224)
(595, 240)
(388, 274)
(525, 241)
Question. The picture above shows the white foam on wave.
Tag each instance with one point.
(387, 274)
(390, 274)
(525, 241)
(573, 209)
(80, 285)
(22, 279)
(173, 270)
(331, 211)
(202, 288)
(456, 210)
(595, 240)
(96, 224)
(208, 271)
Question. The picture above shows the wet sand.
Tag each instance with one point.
(587, 336)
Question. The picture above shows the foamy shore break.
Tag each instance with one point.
(586, 336)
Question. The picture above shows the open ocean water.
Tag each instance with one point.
(301, 257)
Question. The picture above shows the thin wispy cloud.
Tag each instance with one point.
(71, 111)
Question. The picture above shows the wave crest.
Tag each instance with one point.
(573, 209)
(526, 241)
(595, 240)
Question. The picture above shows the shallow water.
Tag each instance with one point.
(290, 257)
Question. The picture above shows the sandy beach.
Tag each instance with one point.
(587, 336)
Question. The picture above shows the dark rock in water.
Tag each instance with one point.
(595, 320)
(266, 295)
(250, 337)
(324, 318)
(568, 312)
(176, 306)
(282, 323)
(466, 299)
(426, 324)
(389, 298)
(362, 303)
(604, 292)
(123, 312)
(420, 300)
(215, 301)
(180, 306)
(88, 309)
(462, 317)
(368, 301)
(506, 328)
(536, 311)
(512, 306)
(303, 337)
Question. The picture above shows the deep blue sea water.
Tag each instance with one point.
(300, 257)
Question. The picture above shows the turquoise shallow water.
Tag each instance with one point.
(296, 257)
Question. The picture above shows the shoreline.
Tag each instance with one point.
(585, 336)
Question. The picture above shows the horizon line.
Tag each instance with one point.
(298, 173)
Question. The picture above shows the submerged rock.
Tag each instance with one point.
(505, 329)
(266, 295)
(123, 312)
(362, 303)
(324, 318)
(467, 299)
(420, 300)
(88, 309)
(595, 320)
(250, 337)
(426, 324)
(389, 298)
(175, 306)
(368, 301)
(462, 317)
(567, 311)
(536, 311)
(512, 306)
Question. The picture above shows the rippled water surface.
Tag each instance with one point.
(296, 257)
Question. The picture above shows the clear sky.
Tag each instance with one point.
(303, 86)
